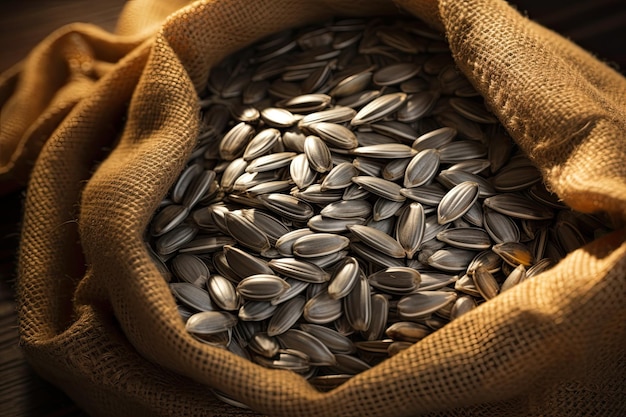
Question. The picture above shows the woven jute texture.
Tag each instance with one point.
(101, 124)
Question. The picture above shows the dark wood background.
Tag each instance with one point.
(597, 25)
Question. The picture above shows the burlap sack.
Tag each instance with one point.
(97, 319)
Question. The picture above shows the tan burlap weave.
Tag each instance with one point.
(97, 319)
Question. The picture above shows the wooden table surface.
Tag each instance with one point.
(597, 25)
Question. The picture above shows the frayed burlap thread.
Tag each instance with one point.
(98, 320)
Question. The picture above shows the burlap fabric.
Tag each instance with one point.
(97, 319)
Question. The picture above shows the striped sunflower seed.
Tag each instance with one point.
(378, 240)
(457, 201)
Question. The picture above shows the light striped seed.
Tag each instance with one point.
(378, 108)
(318, 154)
(319, 244)
(286, 316)
(245, 264)
(423, 304)
(378, 240)
(301, 172)
(407, 331)
(223, 293)
(457, 201)
(261, 144)
(235, 141)
(322, 309)
(343, 278)
(380, 187)
(339, 177)
(399, 280)
(358, 305)
(422, 168)
(333, 340)
(210, 322)
(299, 269)
(385, 151)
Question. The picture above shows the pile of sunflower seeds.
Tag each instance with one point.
(350, 194)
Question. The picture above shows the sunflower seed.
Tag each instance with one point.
(353, 84)
(286, 316)
(516, 178)
(244, 264)
(335, 135)
(380, 187)
(378, 240)
(246, 233)
(378, 108)
(347, 209)
(422, 168)
(462, 305)
(359, 99)
(301, 172)
(264, 344)
(261, 144)
(223, 293)
(466, 238)
(429, 195)
(338, 114)
(394, 170)
(322, 309)
(343, 278)
(319, 244)
(399, 280)
(299, 269)
(262, 287)
(318, 154)
(235, 141)
(517, 206)
(192, 296)
(539, 266)
(485, 283)
(472, 110)
(515, 277)
(256, 310)
(385, 151)
(323, 224)
(514, 253)
(274, 228)
(473, 166)
(500, 227)
(377, 257)
(418, 105)
(435, 139)
(287, 206)
(407, 331)
(314, 194)
(451, 259)
(168, 218)
(457, 201)
(358, 306)
(175, 239)
(184, 180)
(210, 322)
(384, 209)
(190, 268)
(452, 178)
(465, 284)
(422, 304)
(395, 73)
(333, 340)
